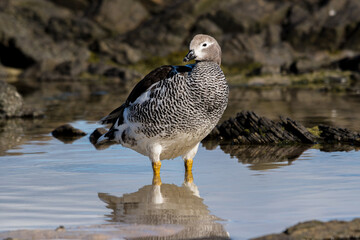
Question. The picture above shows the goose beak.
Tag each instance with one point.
(189, 56)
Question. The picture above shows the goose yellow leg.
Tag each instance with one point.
(188, 170)
(156, 177)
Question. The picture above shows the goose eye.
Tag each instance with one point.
(204, 45)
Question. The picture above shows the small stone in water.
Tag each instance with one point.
(60, 228)
(67, 133)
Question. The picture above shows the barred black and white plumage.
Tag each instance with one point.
(173, 108)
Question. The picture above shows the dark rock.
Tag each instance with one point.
(283, 35)
(98, 68)
(249, 32)
(4, 4)
(316, 60)
(60, 228)
(254, 49)
(24, 41)
(73, 69)
(111, 71)
(118, 15)
(39, 69)
(29, 112)
(118, 76)
(75, 29)
(349, 64)
(319, 230)
(338, 135)
(12, 105)
(297, 130)
(74, 5)
(155, 6)
(124, 75)
(247, 16)
(206, 25)
(47, 71)
(53, 39)
(166, 32)
(249, 128)
(310, 24)
(114, 72)
(119, 52)
(67, 133)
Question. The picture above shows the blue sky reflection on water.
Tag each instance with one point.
(47, 184)
(318, 185)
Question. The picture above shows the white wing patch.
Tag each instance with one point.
(145, 96)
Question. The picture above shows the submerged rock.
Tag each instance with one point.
(60, 228)
(318, 230)
(67, 130)
(67, 133)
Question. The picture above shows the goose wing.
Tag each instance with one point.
(157, 75)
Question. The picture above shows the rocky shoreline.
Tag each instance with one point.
(107, 45)
(50, 40)
(318, 230)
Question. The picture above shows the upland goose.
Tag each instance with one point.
(173, 108)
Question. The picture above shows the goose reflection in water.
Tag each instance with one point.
(167, 204)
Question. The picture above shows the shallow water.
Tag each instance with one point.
(247, 191)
